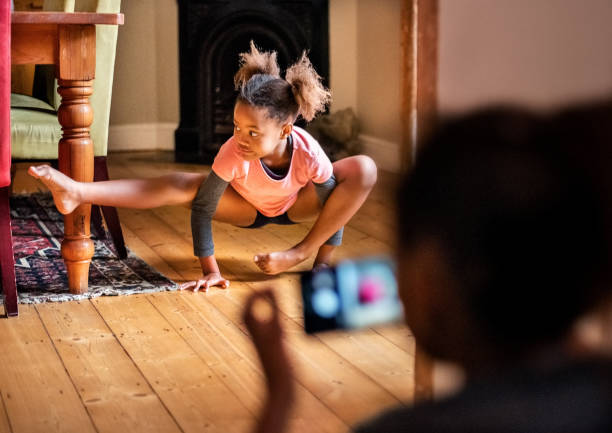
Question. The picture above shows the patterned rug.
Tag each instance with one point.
(40, 271)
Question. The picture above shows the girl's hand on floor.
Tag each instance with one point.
(209, 280)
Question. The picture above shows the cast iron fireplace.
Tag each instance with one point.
(211, 35)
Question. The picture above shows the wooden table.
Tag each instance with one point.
(68, 41)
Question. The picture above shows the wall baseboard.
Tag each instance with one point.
(141, 136)
(385, 153)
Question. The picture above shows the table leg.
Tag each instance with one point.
(76, 160)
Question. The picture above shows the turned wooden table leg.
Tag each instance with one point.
(68, 41)
(76, 160)
(75, 72)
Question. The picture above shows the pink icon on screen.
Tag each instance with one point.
(370, 290)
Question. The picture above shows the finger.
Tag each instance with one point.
(247, 313)
(186, 285)
(264, 295)
(219, 282)
(197, 287)
(271, 298)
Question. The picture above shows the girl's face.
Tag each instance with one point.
(256, 134)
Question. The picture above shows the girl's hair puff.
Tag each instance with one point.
(256, 62)
(308, 90)
(260, 85)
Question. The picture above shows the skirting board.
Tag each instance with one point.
(385, 153)
(141, 136)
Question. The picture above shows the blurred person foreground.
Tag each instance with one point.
(504, 229)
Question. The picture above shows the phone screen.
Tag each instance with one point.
(354, 294)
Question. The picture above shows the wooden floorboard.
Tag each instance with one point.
(115, 393)
(196, 396)
(228, 351)
(183, 361)
(5, 426)
(336, 381)
(37, 391)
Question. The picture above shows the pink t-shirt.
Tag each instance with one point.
(273, 197)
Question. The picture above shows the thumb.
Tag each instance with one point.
(206, 285)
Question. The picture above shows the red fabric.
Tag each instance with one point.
(5, 93)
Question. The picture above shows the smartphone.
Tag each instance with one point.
(353, 294)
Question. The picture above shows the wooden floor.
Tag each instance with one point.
(183, 361)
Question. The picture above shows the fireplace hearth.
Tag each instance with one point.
(211, 35)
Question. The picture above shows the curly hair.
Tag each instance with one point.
(259, 84)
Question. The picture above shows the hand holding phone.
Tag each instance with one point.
(354, 294)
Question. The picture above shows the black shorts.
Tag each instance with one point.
(261, 220)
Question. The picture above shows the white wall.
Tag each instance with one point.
(536, 52)
(145, 107)
(379, 76)
(365, 72)
(343, 53)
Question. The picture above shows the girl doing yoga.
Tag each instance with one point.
(269, 171)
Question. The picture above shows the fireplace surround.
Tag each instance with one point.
(211, 35)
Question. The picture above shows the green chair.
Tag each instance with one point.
(35, 130)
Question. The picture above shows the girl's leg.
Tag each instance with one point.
(171, 189)
(356, 176)
(146, 193)
(234, 209)
(307, 208)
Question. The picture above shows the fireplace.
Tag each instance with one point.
(211, 35)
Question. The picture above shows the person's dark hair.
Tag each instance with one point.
(585, 133)
(259, 84)
(520, 223)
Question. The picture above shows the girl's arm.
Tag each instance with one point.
(202, 210)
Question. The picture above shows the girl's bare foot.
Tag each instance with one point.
(64, 190)
(279, 261)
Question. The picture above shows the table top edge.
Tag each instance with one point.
(24, 17)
